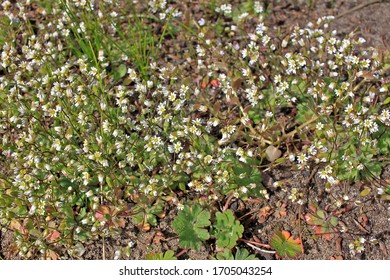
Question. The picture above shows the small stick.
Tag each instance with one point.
(104, 238)
(182, 252)
(299, 228)
(227, 203)
(361, 227)
(259, 249)
(255, 243)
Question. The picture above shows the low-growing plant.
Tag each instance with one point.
(226, 229)
(240, 254)
(190, 224)
(168, 255)
(285, 244)
(323, 224)
(98, 129)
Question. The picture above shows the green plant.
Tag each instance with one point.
(145, 214)
(323, 224)
(226, 229)
(190, 224)
(285, 245)
(240, 254)
(168, 255)
(112, 112)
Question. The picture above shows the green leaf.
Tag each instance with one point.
(365, 192)
(146, 217)
(226, 229)
(285, 244)
(241, 254)
(120, 71)
(304, 113)
(168, 255)
(68, 211)
(374, 168)
(64, 182)
(387, 101)
(189, 225)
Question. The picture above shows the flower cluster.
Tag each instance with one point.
(90, 121)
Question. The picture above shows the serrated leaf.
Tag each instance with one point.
(168, 255)
(243, 254)
(285, 244)
(226, 229)
(225, 255)
(145, 218)
(189, 225)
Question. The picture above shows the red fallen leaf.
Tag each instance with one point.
(319, 231)
(363, 219)
(214, 83)
(53, 235)
(99, 216)
(158, 237)
(338, 258)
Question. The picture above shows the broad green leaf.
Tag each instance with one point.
(241, 254)
(226, 229)
(190, 225)
(148, 216)
(120, 71)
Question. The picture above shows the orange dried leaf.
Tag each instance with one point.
(53, 235)
(53, 255)
(214, 83)
(264, 213)
(15, 225)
